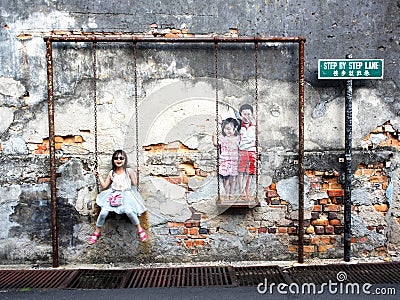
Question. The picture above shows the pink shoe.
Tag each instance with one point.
(143, 236)
(93, 239)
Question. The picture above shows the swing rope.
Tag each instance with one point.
(96, 163)
(217, 116)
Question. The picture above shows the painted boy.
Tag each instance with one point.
(247, 150)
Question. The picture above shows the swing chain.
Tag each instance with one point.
(256, 110)
(136, 113)
(217, 114)
(95, 110)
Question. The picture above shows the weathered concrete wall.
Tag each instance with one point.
(176, 116)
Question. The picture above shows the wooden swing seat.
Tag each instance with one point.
(237, 202)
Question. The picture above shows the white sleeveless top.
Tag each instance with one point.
(120, 182)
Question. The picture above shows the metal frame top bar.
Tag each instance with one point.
(151, 39)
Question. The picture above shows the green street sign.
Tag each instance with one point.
(350, 68)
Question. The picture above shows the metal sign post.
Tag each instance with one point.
(349, 69)
(348, 175)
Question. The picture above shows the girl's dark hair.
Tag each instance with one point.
(116, 154)
(235, 124)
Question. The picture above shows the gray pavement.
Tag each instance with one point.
(208, 293)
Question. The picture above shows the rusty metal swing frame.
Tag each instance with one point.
(132, 38)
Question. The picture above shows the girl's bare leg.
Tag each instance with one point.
(232, 187)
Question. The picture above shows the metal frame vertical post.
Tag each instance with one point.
(348, 174)
(54, 232)
(301, 153)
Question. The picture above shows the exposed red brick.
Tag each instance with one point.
(315, 240)
(262, 230)
(329, 229)
(317, 208)
(282, 229)
(335, 222)
(310, 230)
(336, 186)
(335, 192)
(381, 207)
(323, 201)
(78, 139)
(43, 179)
(189, 243)
(192, 223)
(175, 224)
(252, 229)
(325, 186)
(309, 173)
(324, 248)
(193, 231)
(385, 185)
(331, 207)
(368, 172)
(358, 173)
(378, 179)
(308, 249)
(320, 222)
(319, 229)
(325, 239)
(200, 243)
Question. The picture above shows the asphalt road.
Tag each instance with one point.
(195, 293)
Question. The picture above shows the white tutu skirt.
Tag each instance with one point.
(132, 201)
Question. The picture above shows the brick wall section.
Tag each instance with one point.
(324, 226)
(190, 234)
(44, 147)
(389, 137)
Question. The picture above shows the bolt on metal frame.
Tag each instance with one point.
(132, 38)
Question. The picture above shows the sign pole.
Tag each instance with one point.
(349, 69)
(348, 174)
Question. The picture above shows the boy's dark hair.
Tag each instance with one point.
(246, 106)
(234, 122)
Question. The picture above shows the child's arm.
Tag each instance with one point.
(214, 139)
(132, 176)
(106, 183)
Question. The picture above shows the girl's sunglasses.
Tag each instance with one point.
(119, 158)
